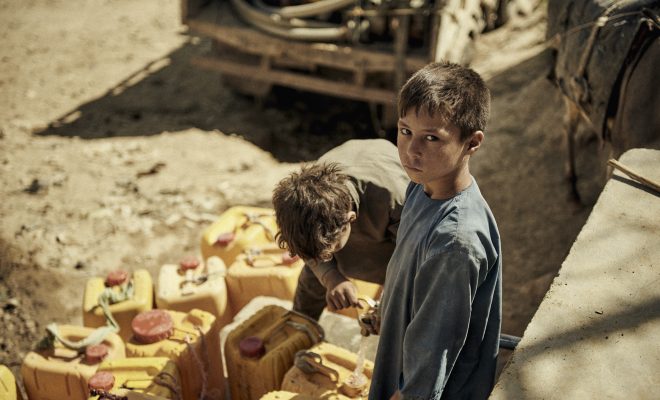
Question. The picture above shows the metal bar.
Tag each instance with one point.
(401, 25)
(509, 341)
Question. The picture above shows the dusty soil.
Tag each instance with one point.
(114, 152)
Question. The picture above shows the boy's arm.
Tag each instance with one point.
(340, 292)
(445, 285)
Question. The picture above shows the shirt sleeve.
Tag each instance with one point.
(444, 287)
(320, 269)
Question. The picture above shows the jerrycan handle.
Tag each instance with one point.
(163, 378)
(268, 256)
(317, 326)
(193, 279)
(315, 337)
(312, 363)
(254, 218)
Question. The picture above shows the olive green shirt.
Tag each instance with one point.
(377, 184)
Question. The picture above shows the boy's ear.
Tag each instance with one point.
(474, 142)
(352, 216)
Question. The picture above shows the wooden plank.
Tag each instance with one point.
(344, 57)
(297, 81)
(402, 26)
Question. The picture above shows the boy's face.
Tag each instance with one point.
(431, 150)
(345, 233)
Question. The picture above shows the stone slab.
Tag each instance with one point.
(596, 335)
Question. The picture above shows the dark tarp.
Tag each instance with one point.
(615, 45)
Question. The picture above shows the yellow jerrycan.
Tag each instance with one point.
(265, 271)
(8, 388)
(283, 395)
(191, 340)
(238, 229)
(326, 369)
(127, 296)
(149, 378)
(261, 350)
(195, 284)
(62, 373)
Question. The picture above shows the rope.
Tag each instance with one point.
(203, 368)
(174, 388)
(600, 22)
(108, 297)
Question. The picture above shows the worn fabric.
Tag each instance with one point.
(617, 43)
(377, 184)
(441, 306)
(310, 294)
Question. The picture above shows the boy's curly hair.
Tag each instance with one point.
(457, 93)
(310, 208)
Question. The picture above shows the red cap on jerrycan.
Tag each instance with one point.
(188, 262)
(96, 353)
(252, 347)
(102, 380)
(116, 277)
(224, 239)
(152, 326)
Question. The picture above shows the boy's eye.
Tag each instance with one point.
(405, 131)
(430, 138)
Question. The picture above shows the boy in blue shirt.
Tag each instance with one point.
(441, 305)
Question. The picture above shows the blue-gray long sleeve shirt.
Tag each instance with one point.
(441, 306)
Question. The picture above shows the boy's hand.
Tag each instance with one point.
(341, 293)
(396, 396)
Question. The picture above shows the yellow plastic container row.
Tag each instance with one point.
(238, 229)
(193, 344)
(62, 373)
(329, 372)
(123, 312)
(194, 284)
(8, 389)
(268, 271)
(151, 378)
(261, 350)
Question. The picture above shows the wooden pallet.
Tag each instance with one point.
(359, 73)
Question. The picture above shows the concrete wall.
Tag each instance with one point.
(596, 335)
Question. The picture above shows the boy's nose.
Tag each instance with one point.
(414, 148)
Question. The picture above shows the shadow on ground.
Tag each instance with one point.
(171, 95)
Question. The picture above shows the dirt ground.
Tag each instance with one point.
(115, 152)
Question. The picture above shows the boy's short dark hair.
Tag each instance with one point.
(310, 208)
(458, 93)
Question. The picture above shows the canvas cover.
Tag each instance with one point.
(617, 44)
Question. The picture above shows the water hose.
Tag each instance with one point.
(306, 10)
(286, 30)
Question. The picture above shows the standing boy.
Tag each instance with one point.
(340, 215)
(441, 306)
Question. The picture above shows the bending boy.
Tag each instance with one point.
(441, 306)
(340, 215)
